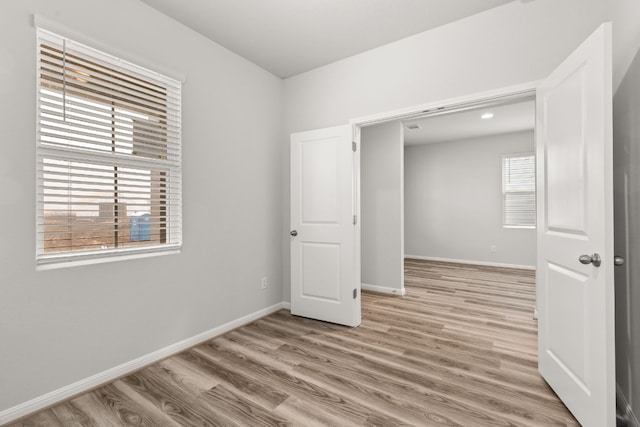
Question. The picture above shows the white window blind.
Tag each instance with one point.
(519, 190)
(108, 155)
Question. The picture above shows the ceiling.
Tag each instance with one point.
(288, 37)
(454, 126)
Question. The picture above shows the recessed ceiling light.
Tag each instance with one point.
(486, 116)
(414, 126)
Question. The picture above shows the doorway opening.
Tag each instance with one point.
(450, 183)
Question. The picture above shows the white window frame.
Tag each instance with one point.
(173, 213)
(506, 190)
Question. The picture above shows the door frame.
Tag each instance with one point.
(428, 109)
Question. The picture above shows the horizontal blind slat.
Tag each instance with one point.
(117, 69)
(117, 99)
(143, 134)
(137, 75)
(51, 104)
(107, 158)
(91, 142)
(60, 79)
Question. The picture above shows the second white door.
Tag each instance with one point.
(323, 277)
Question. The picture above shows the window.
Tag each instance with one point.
(108, 155)
(519, 190)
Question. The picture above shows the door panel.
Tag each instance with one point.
(575, 217)
(323, 277)
(320, 179)
(321, 271)
(567, 312)
(566, 156)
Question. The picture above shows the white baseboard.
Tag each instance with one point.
(625, 408)
(286, 305)
(109, 375)
(383, 289)
(463, 261)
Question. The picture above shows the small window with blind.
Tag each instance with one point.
(519, 190)
(108, 156)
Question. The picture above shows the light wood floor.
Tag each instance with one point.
(458, 350)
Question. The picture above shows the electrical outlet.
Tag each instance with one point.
(264, 283)
(493, 249)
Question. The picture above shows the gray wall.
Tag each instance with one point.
(381, 187)
(626, 153)
(453, 201)
(61, 326)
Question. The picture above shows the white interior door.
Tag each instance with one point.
(323, 277)
(575, 228)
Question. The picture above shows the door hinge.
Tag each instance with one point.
(353, 146)
(355, 293)
(355, 219)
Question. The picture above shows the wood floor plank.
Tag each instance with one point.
(70, 414)
(459, 349)
(264, 394)
(191, 377)
(97, 408)
(42, 419)
(240, 407)
(301, 412)
(174, 402)
(339, 405)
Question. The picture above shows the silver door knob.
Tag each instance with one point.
(294, 233)
(591, 259)
(618, 260)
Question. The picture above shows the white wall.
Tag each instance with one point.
(453, 201)
(381, 187)
(511, 44)
(60, 326)
(625, 15)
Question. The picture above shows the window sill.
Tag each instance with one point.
(56, 261)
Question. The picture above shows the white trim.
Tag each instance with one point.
(402, 212)
(383, 289)
(68, 391)
(99, 257)
(286, 305)
(357, 236)
(515, 91)
(625, 407)
(444, 105)
(463, 261)
(47, 24)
